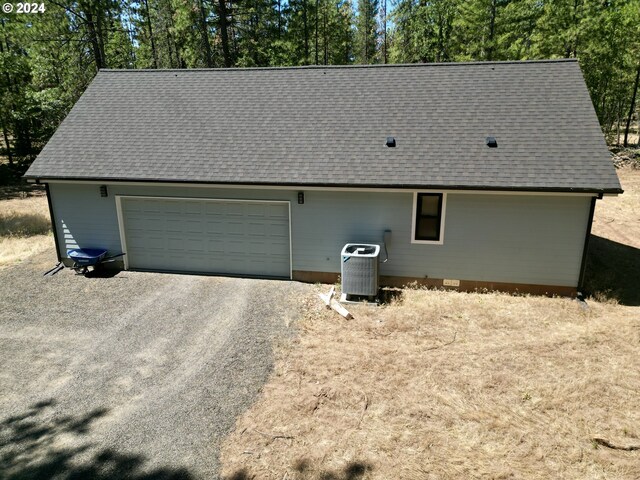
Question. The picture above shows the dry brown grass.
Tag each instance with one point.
(520, 393)
(24, 228)
(618, 218)
(614, 250)
(447, 385)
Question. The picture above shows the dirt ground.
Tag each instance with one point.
(618, 218)
(613, 262)
(131, 376)
(448, 385)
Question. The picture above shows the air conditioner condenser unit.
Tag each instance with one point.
(360, 269)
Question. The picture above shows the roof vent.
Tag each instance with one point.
(492, 142)
(391, 142)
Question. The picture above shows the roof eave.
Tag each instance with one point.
(598, 191)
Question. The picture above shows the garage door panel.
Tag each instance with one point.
(194, 246)
(173, 244)
(258, 229)
(234, 209)
(147, 242)
(151, 208)
(172, 208)
(253, 209)
(214, 226)
(200, 235)
(235, 228)
(192, 208)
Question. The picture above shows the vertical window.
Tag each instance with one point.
(428, 217)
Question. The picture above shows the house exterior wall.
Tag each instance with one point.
(518, 239)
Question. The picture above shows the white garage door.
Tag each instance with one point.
(235, 237)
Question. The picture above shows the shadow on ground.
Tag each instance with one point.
(304, 470)
(36, 448)
(389, 295)
(9, 192)
(613, 271)
(102, 272)
(24, 225)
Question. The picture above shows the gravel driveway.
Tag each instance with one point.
(135, 376)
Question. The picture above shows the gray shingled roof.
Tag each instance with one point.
(328, 126)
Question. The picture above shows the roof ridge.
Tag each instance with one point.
(341, 67)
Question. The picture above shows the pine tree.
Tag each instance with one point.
(520, 19)
(423, 31)
(298, 36)
(366, 38)
(478, 26)
(258, 24)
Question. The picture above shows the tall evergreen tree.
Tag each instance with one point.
(516, 39)
(403, 48)
(424, 31)
(367, 31)
(258, 27)
(299, 34)
(478, 27)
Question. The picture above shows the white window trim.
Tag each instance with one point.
(442, 219)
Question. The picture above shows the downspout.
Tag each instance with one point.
(53, 222)
(583, 266)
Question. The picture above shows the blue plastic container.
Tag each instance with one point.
(87, 256)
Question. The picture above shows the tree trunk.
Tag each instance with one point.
(179, 61)
(325, 34)
(279, 19)
(572, 45)
(204, 32)
(100, 34)
(151, 39)
(348, 45)
(618, 123)
(169, 50)
(384, 26)
(638, 131)
(365, 35)
(407, 57)
(317, 5)
(492, 30)
(633, 106)
(6, 142)
(93, 39)
(131, 36)
(306, 31)
(224, 32)
(232, 32)
(440, 39)
(255, 22)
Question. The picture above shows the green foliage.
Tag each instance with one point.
(609, 53)
(299, 35)
(261, 44)
(516, 39)
(367, 31)
(423, 31)
(187, 33)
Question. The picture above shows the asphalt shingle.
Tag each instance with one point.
(328, 126)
